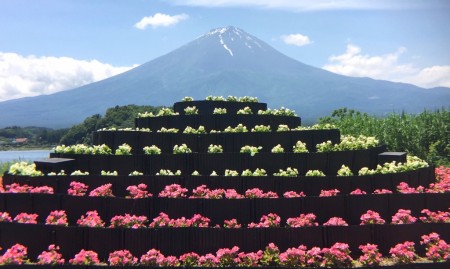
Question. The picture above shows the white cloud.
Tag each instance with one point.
(296, 39)
(24, 76)
(302, 5)
(387, 67)
(160, 19)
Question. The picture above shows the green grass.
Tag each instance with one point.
(4, 167)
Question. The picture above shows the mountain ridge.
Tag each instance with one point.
(225, 61)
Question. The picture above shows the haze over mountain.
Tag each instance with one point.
(224, 61)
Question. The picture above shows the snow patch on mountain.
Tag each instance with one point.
(229, 38)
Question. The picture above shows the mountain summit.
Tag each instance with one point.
(224, 61)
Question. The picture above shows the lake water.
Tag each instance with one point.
(23, 155)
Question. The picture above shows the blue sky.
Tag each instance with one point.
(52, 45)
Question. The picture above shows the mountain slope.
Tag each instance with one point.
(225, 61)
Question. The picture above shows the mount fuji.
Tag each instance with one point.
(225, 61)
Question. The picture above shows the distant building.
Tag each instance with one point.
(20, 140)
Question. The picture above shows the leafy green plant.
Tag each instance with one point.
(277, 149)
(261, 128)
(182, 149)
(168, 130)
(123, 149)
(149, 150)
(283, 128)
(314, 173)
(189, 130)
(245, 111)
(191, 110)
(231, 173)
(214, 98)
(215, 149)
(299, 147)
(240, 128)
(165, 111)
(250, 149)
(109, 173)
(24, 169)
(344, 171)
(187, 99)
(289, 172)
(219, 110)
(167, 172)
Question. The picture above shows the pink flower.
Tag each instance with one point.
(173, 191)
(335, 221)
(370, 255)
(271, 255)
(382, 191)
(358, 192)
(314, 257)
(189, 259)
(200, 192)
(228, 257)
(128, 221)
(293, 194)
(257, 193)
(51, 257)
(139, 191)
(200, 221)
(57, 217)
(85, 257)
(208, 260)
(152, 258)
(77, 189)
(5, 217)
(26, 218)
(16, 254)
(251, 259)
(122, 258)
(42, 189)
(442, 173)
(337, 256)
(169, 261)
(437, 249)
(232, 194)
(102, 191)
(92, 219)
(162, 220)
(404, 188)
(216, 194)
(294, 257)
(180, 222)
(371, 217)
(304, 220)
(403, 253)
(403, 217)
(254, 193)
(435, 217)
(17, 188)
(328, 193)
(231, 224)
(266, 221)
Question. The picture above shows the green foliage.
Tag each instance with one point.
(426, 135)
(38, 137)
(115, 117)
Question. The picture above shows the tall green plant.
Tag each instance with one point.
(426, 135)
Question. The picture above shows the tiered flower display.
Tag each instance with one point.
(244, 185)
